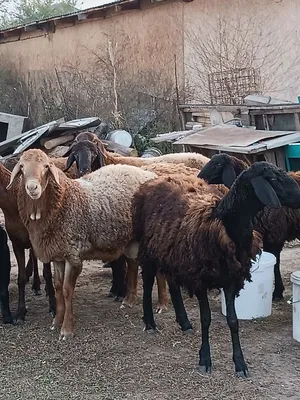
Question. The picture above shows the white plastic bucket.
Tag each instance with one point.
(295, 279)
(255, 300)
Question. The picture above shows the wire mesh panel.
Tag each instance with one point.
(231, 86)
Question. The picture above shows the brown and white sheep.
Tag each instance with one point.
(74, 220)
(202, 241)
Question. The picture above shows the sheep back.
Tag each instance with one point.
(174, 224)
(86, 218)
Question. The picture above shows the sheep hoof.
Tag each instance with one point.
(160, 308)
(277, 298)
(243, 374)
(19, 321)
(118, 298)
(125, 304)
(204, 369)
(66, 336)
(151, 330)
(8, 319)
(189, 331)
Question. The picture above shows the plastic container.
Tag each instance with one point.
(151, 152)
(255, 300)
(120, 136)
(295, 279)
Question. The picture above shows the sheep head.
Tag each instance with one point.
(35, 169)
(87, 156)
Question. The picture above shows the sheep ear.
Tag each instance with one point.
(14, 175)
(228, 175)
(265, 193)
(54, 171)
(69, 151)
(70, 162)
(100, 160)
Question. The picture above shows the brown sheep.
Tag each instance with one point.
(203, 241)
(74, 220)
(20, 241)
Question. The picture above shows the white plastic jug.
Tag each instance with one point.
(255, 300)
(295, 279)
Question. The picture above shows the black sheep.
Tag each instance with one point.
(5, 268)
(276, 226)
(202, 242)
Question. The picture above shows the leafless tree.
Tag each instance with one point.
(237, 54)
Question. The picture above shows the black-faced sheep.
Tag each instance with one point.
(74, 220)
(203, 241)
(89, 154)
(20, 241)
(275, 226)
(89, 158)
(5, 268)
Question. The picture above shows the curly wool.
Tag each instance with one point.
(86, 218)
(177, 230)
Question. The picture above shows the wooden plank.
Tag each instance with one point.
(280, 157)
(50, 144)
(297, 121)
(270, 157)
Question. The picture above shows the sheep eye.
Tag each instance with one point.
(21, 166)
(47, 166)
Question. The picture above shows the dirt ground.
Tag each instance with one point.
(112, 358)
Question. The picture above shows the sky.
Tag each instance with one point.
(92, 3)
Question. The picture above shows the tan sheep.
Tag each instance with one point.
(74, 220)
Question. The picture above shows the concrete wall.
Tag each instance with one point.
(150, 38)
(270, 28)
(16, 124)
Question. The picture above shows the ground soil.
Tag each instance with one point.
(112, 358)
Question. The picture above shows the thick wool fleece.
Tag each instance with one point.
(86, 218)
(174, 223)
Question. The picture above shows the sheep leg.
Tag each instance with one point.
(71, 274)
(232, 321)
(131, 282)
(181, 315)
(279, 287)
(162, 293)
(36, 284)
(148, 274)
(4, 283)
(20, 256)
(118, 289)
(59, 273)
(47, 274)
(205, 316)
(29, 267)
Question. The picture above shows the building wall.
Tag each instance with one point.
(269, 27)
(151, 38)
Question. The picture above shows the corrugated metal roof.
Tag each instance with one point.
(68, 15)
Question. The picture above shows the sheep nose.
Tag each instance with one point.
(32, 186)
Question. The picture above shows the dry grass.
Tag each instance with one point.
(112, 358)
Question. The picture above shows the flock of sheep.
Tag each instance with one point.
(188, 221)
